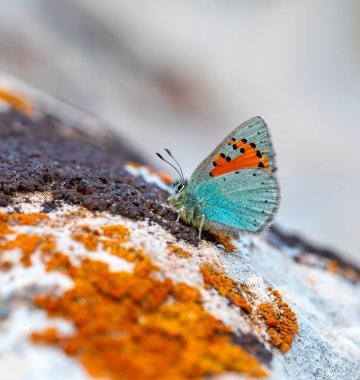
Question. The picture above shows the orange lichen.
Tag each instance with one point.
(132, 326)
(167, 179)
(134, 165)
(6, 265)
(48, 336)
(163, 176)
(185, 293)
(175, 250)
(27, 219)
(60, 262)
(16, 101)
(281, 322)
(7, 220)
(225, 286)
(225, 241)
(90, 239)
(139, 297)
(5, 230)
(135, 325)
(119, 232)
(27, 244)
(4, 227)
(48, 245)
(333, 266)
(111, 240)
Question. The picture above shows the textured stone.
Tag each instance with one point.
(98, 279)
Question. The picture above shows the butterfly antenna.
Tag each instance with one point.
(182, 174)
(173, 166)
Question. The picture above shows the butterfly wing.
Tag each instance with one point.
(248, 146)
(243, 200)
(236, 185)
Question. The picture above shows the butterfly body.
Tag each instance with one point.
(235, 188)
(192, 210)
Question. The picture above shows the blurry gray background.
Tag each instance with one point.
(183, 74)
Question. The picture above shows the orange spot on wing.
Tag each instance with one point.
(247, 160)
(239, 144)
(266, 162)
(219, 160)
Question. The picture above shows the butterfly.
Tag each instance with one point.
(235, 187)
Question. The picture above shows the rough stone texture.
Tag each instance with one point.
(46, 155)
(98, 279)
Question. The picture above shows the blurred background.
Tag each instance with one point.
(183, 74)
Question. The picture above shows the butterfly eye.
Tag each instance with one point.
(179, 187)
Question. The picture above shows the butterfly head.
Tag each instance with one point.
(177, 199)
(180, 195)
(179, 186)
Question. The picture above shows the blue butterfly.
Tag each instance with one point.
(233, 189)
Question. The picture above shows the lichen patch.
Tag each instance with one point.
(133, 323)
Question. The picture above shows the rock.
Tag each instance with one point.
(97, 279)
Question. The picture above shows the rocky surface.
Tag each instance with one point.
(97, 279)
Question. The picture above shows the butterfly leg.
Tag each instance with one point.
(179, 214)
(201, 225)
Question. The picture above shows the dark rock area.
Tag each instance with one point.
(46, 155)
